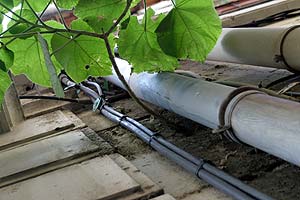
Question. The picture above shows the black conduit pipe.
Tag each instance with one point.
(199, 167)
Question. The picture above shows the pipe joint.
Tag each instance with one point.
(281, 57)
(228, 106)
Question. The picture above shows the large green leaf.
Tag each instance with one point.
(29, 59)
(68, 4)
(100, 14)
(100, 8)
(4, 84)
(56, 85)
(17, 27)
(138, 44)
(1, 26)
(6, 58)
(81, 56)
(190, 30)
(37, 5)
(6, 4)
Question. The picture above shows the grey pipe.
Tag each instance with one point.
(268, 123)
(267, 47)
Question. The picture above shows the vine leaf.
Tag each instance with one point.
(56, 85)
(190, 30)
(7, 3)
(6, 58)
(138, 44)
(4, 84)
(37, 5)
(100, 14)
(81, 56)
(29, 59)
(17, 28)
(68, 4)
(1, 26)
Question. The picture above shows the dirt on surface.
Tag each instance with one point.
(267, 173)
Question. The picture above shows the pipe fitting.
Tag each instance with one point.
(282, 57)
(229, 133)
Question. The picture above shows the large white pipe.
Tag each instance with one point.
(257, 119)
(259, 46)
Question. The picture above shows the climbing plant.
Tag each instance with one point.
(41, 49)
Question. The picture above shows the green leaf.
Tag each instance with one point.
(190, 30)
(6, 59)
(6, 4)
(99, 24)
(37, 5)
(81, 56)
(138, 44)
(29, 59)
(17, 28)
(100, 8)
(100, 14)
(68, 4)
(1, 19)
(4, 84)
(56, 85)
(135, 2)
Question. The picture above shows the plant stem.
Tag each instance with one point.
(129, 90)
(26, 34)
(60, 15)
(123, 14)
(145, 15)
(18, 16)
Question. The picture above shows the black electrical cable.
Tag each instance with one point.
(199, 167)
(283, 79)
(272, 18)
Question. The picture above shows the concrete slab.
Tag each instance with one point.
(148, 189)
(39, 154)
(164, 197)
(175, 181)
(167, 175)
(35, 128)
(35, 108)
(78, 123)
(96, 179)
(207, 194)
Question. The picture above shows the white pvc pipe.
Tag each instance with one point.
(265, 122)
(258, 46)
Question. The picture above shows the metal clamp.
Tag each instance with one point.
(98, 104)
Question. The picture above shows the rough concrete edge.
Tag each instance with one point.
(149, 188)
(77, 124)
(44, 169)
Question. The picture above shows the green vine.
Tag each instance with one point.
(41, 49)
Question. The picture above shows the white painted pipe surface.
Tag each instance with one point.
(259, 46)
(257, 119)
